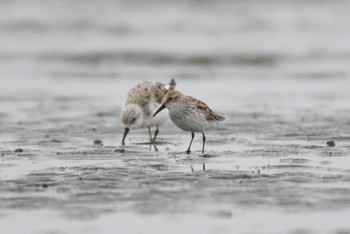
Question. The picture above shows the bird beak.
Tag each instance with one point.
(126, 130)
(159, 110)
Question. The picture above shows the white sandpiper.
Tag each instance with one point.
(141, 101)
(189, 114)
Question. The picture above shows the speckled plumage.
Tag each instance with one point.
(146, 93)
(189, 114)
(141, 101)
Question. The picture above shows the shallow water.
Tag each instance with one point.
(267, 168)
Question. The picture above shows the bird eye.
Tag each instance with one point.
(170, 98)
(133, 120)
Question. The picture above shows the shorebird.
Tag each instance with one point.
(141, 101)
(189, 114)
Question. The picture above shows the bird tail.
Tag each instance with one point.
(172, 84)
(219, 118)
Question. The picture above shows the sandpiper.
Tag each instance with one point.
(141, 101)
(189, 114)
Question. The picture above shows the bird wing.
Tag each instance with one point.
(209, 113)
(141, 95)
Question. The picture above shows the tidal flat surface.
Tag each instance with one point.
(266, 169)
(279, 74)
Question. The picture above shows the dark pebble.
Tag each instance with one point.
(119, 150)
(331, 143)
(56, 141)
(98, 142)
(19, 150)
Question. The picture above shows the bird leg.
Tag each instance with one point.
(189, 147)
(150, 134)
(204, 138)
(155, 135)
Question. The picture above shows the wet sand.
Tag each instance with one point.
(266, 169)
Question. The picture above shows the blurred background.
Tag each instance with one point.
(183, 39)
(94, 48)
